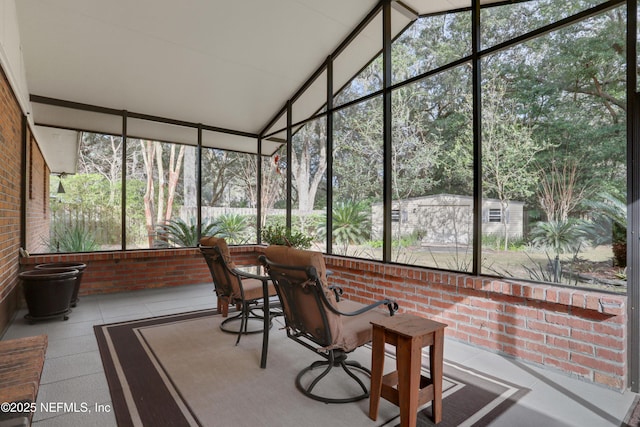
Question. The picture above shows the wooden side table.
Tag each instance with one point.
(406, 387)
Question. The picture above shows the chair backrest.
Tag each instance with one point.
(300, 279)
(216, 253)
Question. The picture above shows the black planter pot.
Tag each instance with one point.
(77, 265)
(48, 292)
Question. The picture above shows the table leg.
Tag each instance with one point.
(409, 361)
(377, 367)
(267, 322)
(436, 356)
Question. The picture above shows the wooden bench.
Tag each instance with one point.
(21, 364)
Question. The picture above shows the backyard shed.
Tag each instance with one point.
(444, 219)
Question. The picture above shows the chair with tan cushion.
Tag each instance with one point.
(316, 317)
(233, 286)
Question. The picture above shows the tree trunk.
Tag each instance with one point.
(161, 184)
(174, 175)
(147, 155)
(189, 182)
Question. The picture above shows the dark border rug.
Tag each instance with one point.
(144, 393)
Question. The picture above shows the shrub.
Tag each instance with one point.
(279, 235)
(74, 238)
(233, 227)
(183, 234)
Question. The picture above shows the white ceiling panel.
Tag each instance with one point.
(226, 141)
(425, 7)
(70, 118)
(312, 100)
(61, 146)
(147, 129)
(223, 64)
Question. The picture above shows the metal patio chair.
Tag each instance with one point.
(234, 286)
(316, 317)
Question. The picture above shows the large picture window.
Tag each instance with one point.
(86, 206)
(357, 180)
(229, 195)
(507, 158)
(554, 153)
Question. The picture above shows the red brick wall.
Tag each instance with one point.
(578, 332)
(10, 196)
(109, 272)
(37, 198)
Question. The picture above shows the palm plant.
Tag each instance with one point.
(351, 224)
(183, 234)
(233, 227)
(562, 237)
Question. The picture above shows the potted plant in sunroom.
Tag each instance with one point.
(280, 235)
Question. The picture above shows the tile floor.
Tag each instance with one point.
(73, 372)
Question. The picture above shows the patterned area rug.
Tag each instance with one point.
(633, 417)
(182, 370)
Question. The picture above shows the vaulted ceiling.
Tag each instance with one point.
(226, 64)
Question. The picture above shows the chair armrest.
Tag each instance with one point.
(246, 275)
(337, 291)
(391, 305)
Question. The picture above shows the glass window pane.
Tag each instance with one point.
(312, 101)
(357, 180)
(309, 184)
(429, 43)
(86, 206)
(357, 71)
(432, 176)
(160, 176)
(274, 188)
(638, 50)
(501, 23)
(554, 156)
(229, 195)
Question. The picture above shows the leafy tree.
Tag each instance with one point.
(219, 167)
(102, 154)
(156, 214)
(309, 162)
(558, 192)
(572, 82)
(508, 150)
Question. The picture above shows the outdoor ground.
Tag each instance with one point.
(592, 268)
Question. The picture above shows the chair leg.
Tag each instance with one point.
(243, 316)
(333, 360)
(244, 320)
(223, 306)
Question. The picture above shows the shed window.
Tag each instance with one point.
(495, 215)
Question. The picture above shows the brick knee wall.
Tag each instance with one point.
(21, 364)
(581, 333)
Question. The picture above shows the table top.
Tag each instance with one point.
(409, 325)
